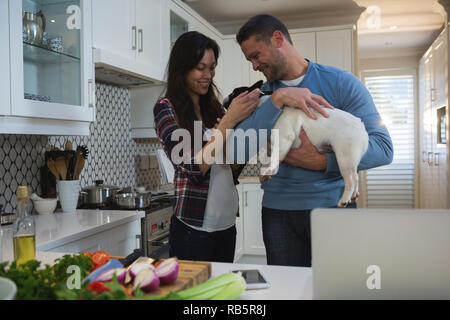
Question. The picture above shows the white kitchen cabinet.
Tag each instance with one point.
(4, 60)
(252, 205)
(305, 43)
(52, 88)
(117, 241)
(433, 98)
(335, 48)
(132, 36)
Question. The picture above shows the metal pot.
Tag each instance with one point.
(133, 200)
(100, 194)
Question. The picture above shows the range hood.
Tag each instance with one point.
(117, 70)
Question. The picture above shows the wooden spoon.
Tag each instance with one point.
(60, 164)
(78, 167)
(51, 166)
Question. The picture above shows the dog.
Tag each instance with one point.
(341, 132)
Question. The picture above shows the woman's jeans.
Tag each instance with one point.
(287, 236)
(187, 243)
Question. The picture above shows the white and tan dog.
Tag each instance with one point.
(341, 132)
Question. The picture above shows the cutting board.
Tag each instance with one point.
(190, 274)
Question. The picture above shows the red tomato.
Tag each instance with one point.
(98, 286)
(99, 258)
(88, 254)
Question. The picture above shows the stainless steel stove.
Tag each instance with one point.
(155, 225)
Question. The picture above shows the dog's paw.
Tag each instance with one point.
(343, 204)
(355, 197)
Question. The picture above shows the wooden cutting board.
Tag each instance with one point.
(190, 274)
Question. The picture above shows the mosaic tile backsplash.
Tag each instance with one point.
(114, 156)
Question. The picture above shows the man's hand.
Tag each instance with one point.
(301, 98)
(306, 156)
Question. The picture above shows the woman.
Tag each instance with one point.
(206, 200)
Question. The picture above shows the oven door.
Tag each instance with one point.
(159, 248)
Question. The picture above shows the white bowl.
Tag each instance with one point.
(8, 289)
(45, 206)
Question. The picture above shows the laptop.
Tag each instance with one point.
(380, 253)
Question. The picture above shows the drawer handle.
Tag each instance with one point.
(91, 93)
(430, 158)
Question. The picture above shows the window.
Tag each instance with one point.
(393, 186)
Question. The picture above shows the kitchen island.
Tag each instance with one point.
(286, 283)
(117, 232)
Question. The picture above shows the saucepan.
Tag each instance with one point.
(133, 200)
(99, 194)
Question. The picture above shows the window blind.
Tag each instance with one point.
(393, 186)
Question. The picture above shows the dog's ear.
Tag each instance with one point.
(256, 85)
(227, 101)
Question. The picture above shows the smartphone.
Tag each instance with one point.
(254, 279)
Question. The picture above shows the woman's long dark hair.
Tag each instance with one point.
(186, 54)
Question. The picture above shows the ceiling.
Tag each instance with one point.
(386, 28)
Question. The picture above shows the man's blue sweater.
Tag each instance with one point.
(294, 188)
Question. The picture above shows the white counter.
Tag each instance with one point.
(57, 229)
(286, 283)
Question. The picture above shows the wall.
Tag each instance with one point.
(114, 156)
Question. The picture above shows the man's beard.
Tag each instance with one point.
(278, 68)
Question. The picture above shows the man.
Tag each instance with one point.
(306, 179)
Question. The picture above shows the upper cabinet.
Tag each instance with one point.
(4, 60)
(52, 88)
(333, 46)
(132, 37)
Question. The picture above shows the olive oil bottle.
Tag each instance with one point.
(25, 230)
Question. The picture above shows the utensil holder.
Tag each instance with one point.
(68, 193)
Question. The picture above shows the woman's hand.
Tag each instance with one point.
(300, 98)
(241, 107)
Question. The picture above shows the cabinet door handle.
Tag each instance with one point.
(424, 156)
(138, 241)
(133, 38)
(430, 158)
(436, 159)
(245, 199)
(141, 40)
(91, 93)
(433, 94)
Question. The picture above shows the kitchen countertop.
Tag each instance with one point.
(286, 283)
(59, 228)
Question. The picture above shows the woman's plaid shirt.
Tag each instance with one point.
(191, 187)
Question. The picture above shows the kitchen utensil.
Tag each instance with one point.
(52, 167)
(115, 263)
(78, 163)
(55, 44)
(133, 200)
(101, 194)
(68, 193)
(68, 145)
(60, 164)
(32, 31)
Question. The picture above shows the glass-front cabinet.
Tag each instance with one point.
(52, 73)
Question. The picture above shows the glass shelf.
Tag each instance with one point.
(37, 54)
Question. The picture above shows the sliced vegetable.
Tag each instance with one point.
(136, 268)
(100, 257)
(108, 275)
(226, 286)
(167, 271)
(146, 280)
(97, 286)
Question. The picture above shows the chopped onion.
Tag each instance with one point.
(146, 280)
(136, 268)
(167, 271)
(108, 275)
